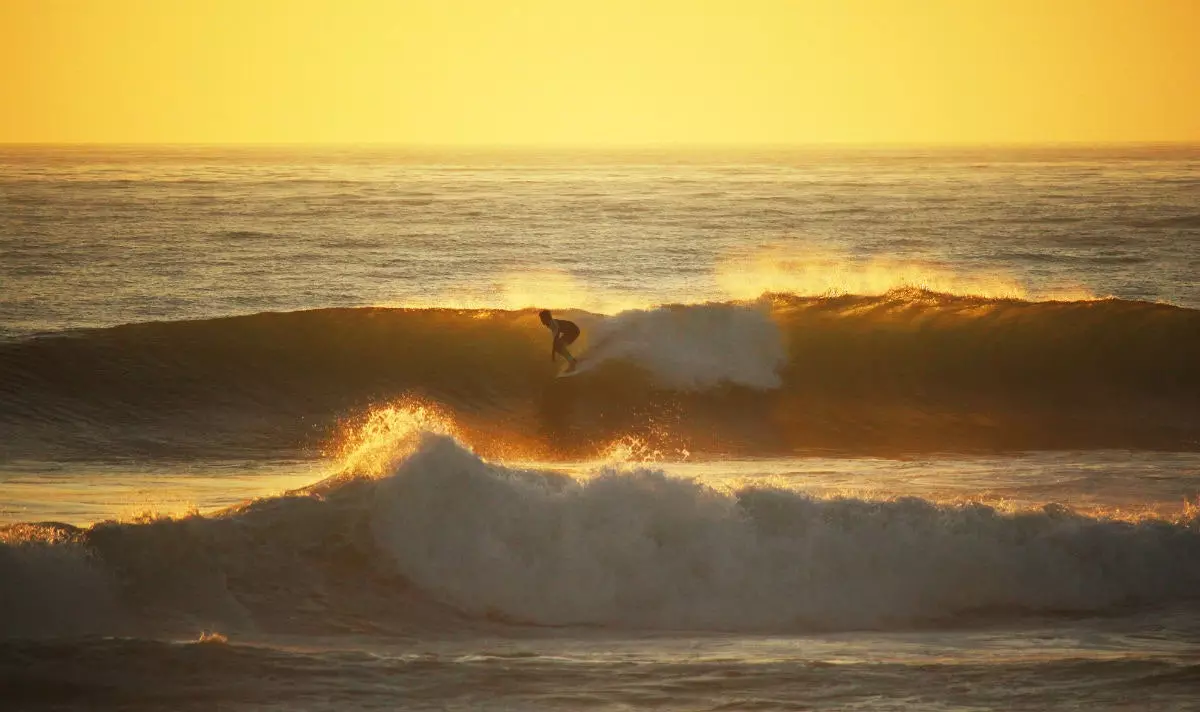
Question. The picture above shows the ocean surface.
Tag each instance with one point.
(875, 429)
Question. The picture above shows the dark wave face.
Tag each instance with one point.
(445, 540)
(909, 371)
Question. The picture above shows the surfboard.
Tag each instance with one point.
(573, 372)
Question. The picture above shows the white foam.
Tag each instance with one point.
(49, 590)
(640, 548)
(693, 346)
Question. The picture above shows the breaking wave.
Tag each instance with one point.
(446, 540)
(906, 371)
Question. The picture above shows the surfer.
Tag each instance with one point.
(565, 332)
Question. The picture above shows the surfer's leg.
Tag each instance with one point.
(562, 349)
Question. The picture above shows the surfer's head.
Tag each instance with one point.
(546, 316)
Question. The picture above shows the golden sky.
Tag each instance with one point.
(603, 72)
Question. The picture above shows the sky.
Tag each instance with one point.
(601, 72)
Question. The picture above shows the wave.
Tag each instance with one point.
(907, 371)
(447, 540)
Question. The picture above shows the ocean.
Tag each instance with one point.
(875, 429)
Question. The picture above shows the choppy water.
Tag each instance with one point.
(951, 461)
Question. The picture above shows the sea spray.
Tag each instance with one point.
(449, 540)
(634, 547)
(695, 347)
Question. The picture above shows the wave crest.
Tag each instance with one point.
(639, 548)
(448, 540)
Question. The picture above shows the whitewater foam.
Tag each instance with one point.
(448, 540)
(694, 347)
(50, 585)
(638, 548)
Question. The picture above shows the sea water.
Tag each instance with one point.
(885, 429)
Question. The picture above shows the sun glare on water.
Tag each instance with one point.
(779, 269)
(373, 444)
(534, 289)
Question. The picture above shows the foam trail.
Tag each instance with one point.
(696, 347)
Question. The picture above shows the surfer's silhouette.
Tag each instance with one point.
(565, 332)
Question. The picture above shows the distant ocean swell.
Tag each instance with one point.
(907, 371)
(445, 540)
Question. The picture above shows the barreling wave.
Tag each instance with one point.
(906, 371)
(446, 540)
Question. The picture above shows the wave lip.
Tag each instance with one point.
(449, 541)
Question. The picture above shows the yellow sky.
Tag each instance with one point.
(599, 72)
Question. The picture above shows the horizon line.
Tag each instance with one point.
(663, 145)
